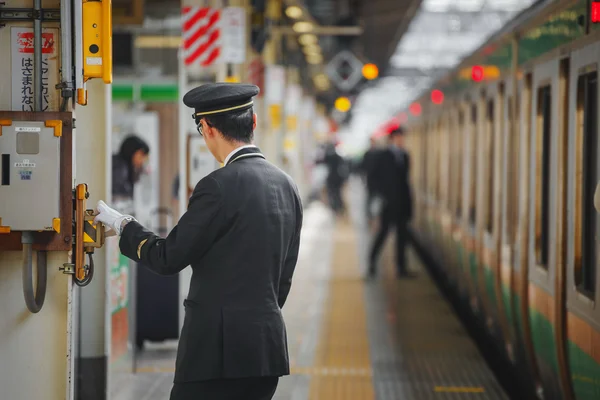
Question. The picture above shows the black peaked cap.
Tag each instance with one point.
(220, 98)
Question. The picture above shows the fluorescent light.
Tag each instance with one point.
(302, 27)
(308, 39)
(314, 59)
(311, 49)
(293, 12)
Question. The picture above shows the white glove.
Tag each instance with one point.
(111, 218)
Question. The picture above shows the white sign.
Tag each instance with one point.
(293, 99)
(21, 49)
(233, 29)
(274, 84)
(202, 162)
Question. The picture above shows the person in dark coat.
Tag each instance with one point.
(241, 235)
(392, 183)
(368, 170)
(127, 166)
(336, 176)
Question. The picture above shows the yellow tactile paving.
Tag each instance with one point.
(342, 368)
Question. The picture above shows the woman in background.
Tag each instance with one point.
(127, 166)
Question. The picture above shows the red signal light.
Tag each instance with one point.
(595, 14)
(415, 109)
(437, 96)
(477, 73)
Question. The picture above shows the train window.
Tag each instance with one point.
(586, 179)
(473, 165)
(459, 163)
(542, 187)
(490, 171)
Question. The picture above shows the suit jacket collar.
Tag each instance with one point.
(243, 152)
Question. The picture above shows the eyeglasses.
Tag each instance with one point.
(199, 126)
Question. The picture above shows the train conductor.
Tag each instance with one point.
(240, 235)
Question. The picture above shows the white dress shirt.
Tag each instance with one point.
(235, 151)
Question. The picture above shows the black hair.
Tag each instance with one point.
(235, 127)
(398, 131)
(129, 147)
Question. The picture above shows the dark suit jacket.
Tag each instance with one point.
(122, 184)
(368, 164)
(391, 181)
(240, 235)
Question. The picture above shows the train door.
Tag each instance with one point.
(437, 198)
(459, 231)
(514, 167)
(583, 223)
(470, 217)
(543, 222)
(486, 223)
(430, 151)
(446, 171)
(454, 189)
(420, 194)
(520, 264)
(508, 211)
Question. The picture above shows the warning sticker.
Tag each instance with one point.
(23, 69)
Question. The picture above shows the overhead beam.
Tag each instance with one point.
(322, 30)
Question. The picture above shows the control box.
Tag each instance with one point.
(97, 39)
(30, 175)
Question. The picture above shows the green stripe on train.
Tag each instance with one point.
(490, 288)
(585, 372)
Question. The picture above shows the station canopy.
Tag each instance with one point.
(441, 34)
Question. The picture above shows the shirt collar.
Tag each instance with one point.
(235, 151)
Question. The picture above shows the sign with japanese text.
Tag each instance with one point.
(234, 35)
(23, 69)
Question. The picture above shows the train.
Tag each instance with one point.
(504, 172)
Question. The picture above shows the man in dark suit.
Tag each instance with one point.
(368, 169)
(392, 184)
(241, 235)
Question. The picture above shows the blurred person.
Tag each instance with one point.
(127, 166)
(336, 176)
(241, 236)
(368, 170)
(392, 183)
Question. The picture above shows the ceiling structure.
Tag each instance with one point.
(382, 22)
(439, 36)
(413, 42)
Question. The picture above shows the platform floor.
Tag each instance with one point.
(352, 339)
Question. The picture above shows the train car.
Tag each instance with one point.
(504, 174)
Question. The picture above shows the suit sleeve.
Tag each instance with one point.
(409, 199)
(189, 240)
(285, 282)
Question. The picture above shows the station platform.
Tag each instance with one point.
(352, 339)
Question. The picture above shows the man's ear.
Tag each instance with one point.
(209, 131)
(254, 122)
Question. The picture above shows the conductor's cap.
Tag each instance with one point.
(220, 98)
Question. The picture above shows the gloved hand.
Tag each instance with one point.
(111, 218)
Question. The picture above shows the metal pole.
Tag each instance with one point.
(37, 55)
(66, 47)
